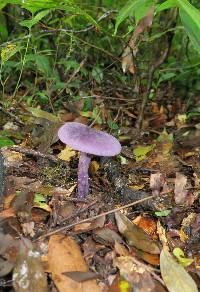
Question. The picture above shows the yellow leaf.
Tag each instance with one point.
(140, 152)
(136, 187)
(94, 166)
(67, 153)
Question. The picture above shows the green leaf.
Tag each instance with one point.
(38, 113)
(6, 142)
(166, 5)
(179, 254)
(126, 11)
(40, 202)
(141, 11)
(31, 22)
(166, 76)
(3, 3)
(163, 213)
(97, 74)
(3, 27)
(190, 17)
(140, 152)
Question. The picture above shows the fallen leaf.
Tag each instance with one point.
(67, 154)
(163, 213)
(8, 247)
(40, 202)
(38, 113)
(140, 152)
(135, 236)
(107, 236)
(8, 199)
(180, 192)
(28, 228)
(179, 254)
(149, 225)
(174, 275)
(161, 234)
(28, 274)
(158, 183)
(84, 227)
(121, 249)
(152, 259)
(135, 274)
(94, 167)
(11, 212)
(131, 49)
(5, 267)
(81, 276)
(65, 256)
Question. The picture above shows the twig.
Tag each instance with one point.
(169, 36)
(79, 211)
(34, 153)
(94, 217)
(150, 269)
(149, 85)
(12, 116)
(62, 30)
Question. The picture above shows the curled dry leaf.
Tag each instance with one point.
(107, 236)
(180, 191)
(131, 50)
(136, 236)
(65, 256)
(158, 183)
(174, 275)
(84, 227)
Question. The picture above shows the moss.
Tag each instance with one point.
(57, 175)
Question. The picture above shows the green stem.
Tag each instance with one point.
(21, 71)
(2, 83)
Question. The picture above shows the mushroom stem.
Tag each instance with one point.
(83, 165)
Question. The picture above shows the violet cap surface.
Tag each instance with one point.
(85, 139)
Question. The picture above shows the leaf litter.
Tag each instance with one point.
(118, 250)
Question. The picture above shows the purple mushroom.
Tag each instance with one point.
(88, 141)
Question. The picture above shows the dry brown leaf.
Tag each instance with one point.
(149, 225)
(8, 199)
(84, 227)
(121, 249)
(158, 183)
(65, 256)
(136, 275)
(180, 191)
(131, 50)
(152, 259)
(135, 236)
(11, 212)
(107, 236)
(174, 275)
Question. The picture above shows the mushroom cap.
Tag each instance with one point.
(85, 139)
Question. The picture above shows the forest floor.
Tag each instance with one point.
(139, 225)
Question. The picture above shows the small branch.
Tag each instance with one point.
(149, 85)
(12, 116)
(94, 217)
(63, 30)
(34, 153)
